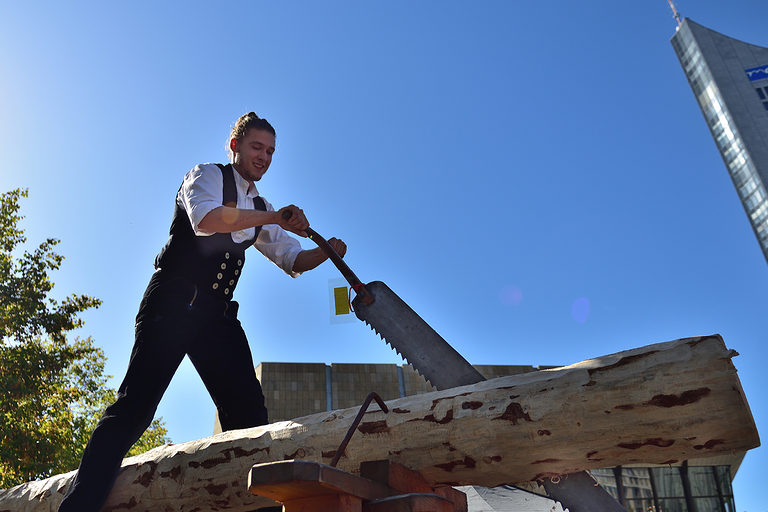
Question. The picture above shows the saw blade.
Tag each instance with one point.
(419, 344)
(411, 337)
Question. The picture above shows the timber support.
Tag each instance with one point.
(382, 486)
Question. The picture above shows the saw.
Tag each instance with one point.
(404, 330)
(438, 362)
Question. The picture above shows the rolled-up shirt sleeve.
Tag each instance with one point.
(278, 246)
(200, 193)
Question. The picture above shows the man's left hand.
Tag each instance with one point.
(338, 245)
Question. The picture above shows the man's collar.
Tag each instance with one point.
(243, 185)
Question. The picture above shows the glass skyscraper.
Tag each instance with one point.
(730, 81)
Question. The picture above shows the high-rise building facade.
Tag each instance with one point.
(729, 79)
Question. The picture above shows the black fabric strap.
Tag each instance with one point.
(230, 189)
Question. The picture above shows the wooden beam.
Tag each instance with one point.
(658, 404)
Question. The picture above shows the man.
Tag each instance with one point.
(188, 309)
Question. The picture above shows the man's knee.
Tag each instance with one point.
(129, 415)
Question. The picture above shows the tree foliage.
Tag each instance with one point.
(52, 389)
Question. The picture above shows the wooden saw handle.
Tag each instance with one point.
(329, 251)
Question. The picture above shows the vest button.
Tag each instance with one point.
(223, 266)
(226, 291)
(237, 271)
(239, 263)
(215, 285)
(219, 275)
(231, 282)
(226, 255)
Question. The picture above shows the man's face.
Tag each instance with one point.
(253, 153)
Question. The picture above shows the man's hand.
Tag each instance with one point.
(309, 259)
(339, 246)
(296, 221)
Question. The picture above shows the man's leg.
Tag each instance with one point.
(156, 355)
(223, 359)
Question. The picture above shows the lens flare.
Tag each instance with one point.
(580, 309)
(511, 295)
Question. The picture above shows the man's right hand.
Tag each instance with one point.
(295, 223)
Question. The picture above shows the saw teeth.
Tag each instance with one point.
(399, 353)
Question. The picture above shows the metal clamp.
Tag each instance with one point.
(356, 422)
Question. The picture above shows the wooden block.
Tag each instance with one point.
(290, 480)
(458, 498)
(414, 502)
(331, 503)
(394, 475)
(402, 479)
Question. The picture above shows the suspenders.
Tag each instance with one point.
(207, 260)
(230, 189)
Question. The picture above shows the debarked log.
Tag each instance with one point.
(659, 404)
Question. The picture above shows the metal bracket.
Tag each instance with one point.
(343, 446)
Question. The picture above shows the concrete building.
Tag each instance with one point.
(293, 390)
(729, 79)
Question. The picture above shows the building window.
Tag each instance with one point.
(765, 104)
(638, 489)
(762, 232)
(749, 186)
(669, 489)
(754, 200)
(760, 214)
(761, 93)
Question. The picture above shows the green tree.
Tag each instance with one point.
(52, 389)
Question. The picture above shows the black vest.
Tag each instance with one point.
(214, 263)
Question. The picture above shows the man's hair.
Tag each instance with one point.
(247, 122)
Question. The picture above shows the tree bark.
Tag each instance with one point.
(658, 404)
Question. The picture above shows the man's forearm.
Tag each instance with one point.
(308, 259)
(225, 219)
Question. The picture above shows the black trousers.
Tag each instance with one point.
(175, 319)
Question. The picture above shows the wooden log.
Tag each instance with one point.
(656, 404)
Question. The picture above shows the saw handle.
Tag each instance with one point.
(366, 298)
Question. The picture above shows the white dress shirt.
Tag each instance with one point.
(202, 191)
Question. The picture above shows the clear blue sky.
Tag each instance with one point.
(533, 178)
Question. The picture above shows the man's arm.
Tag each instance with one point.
(225, 219)
(309, 259)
